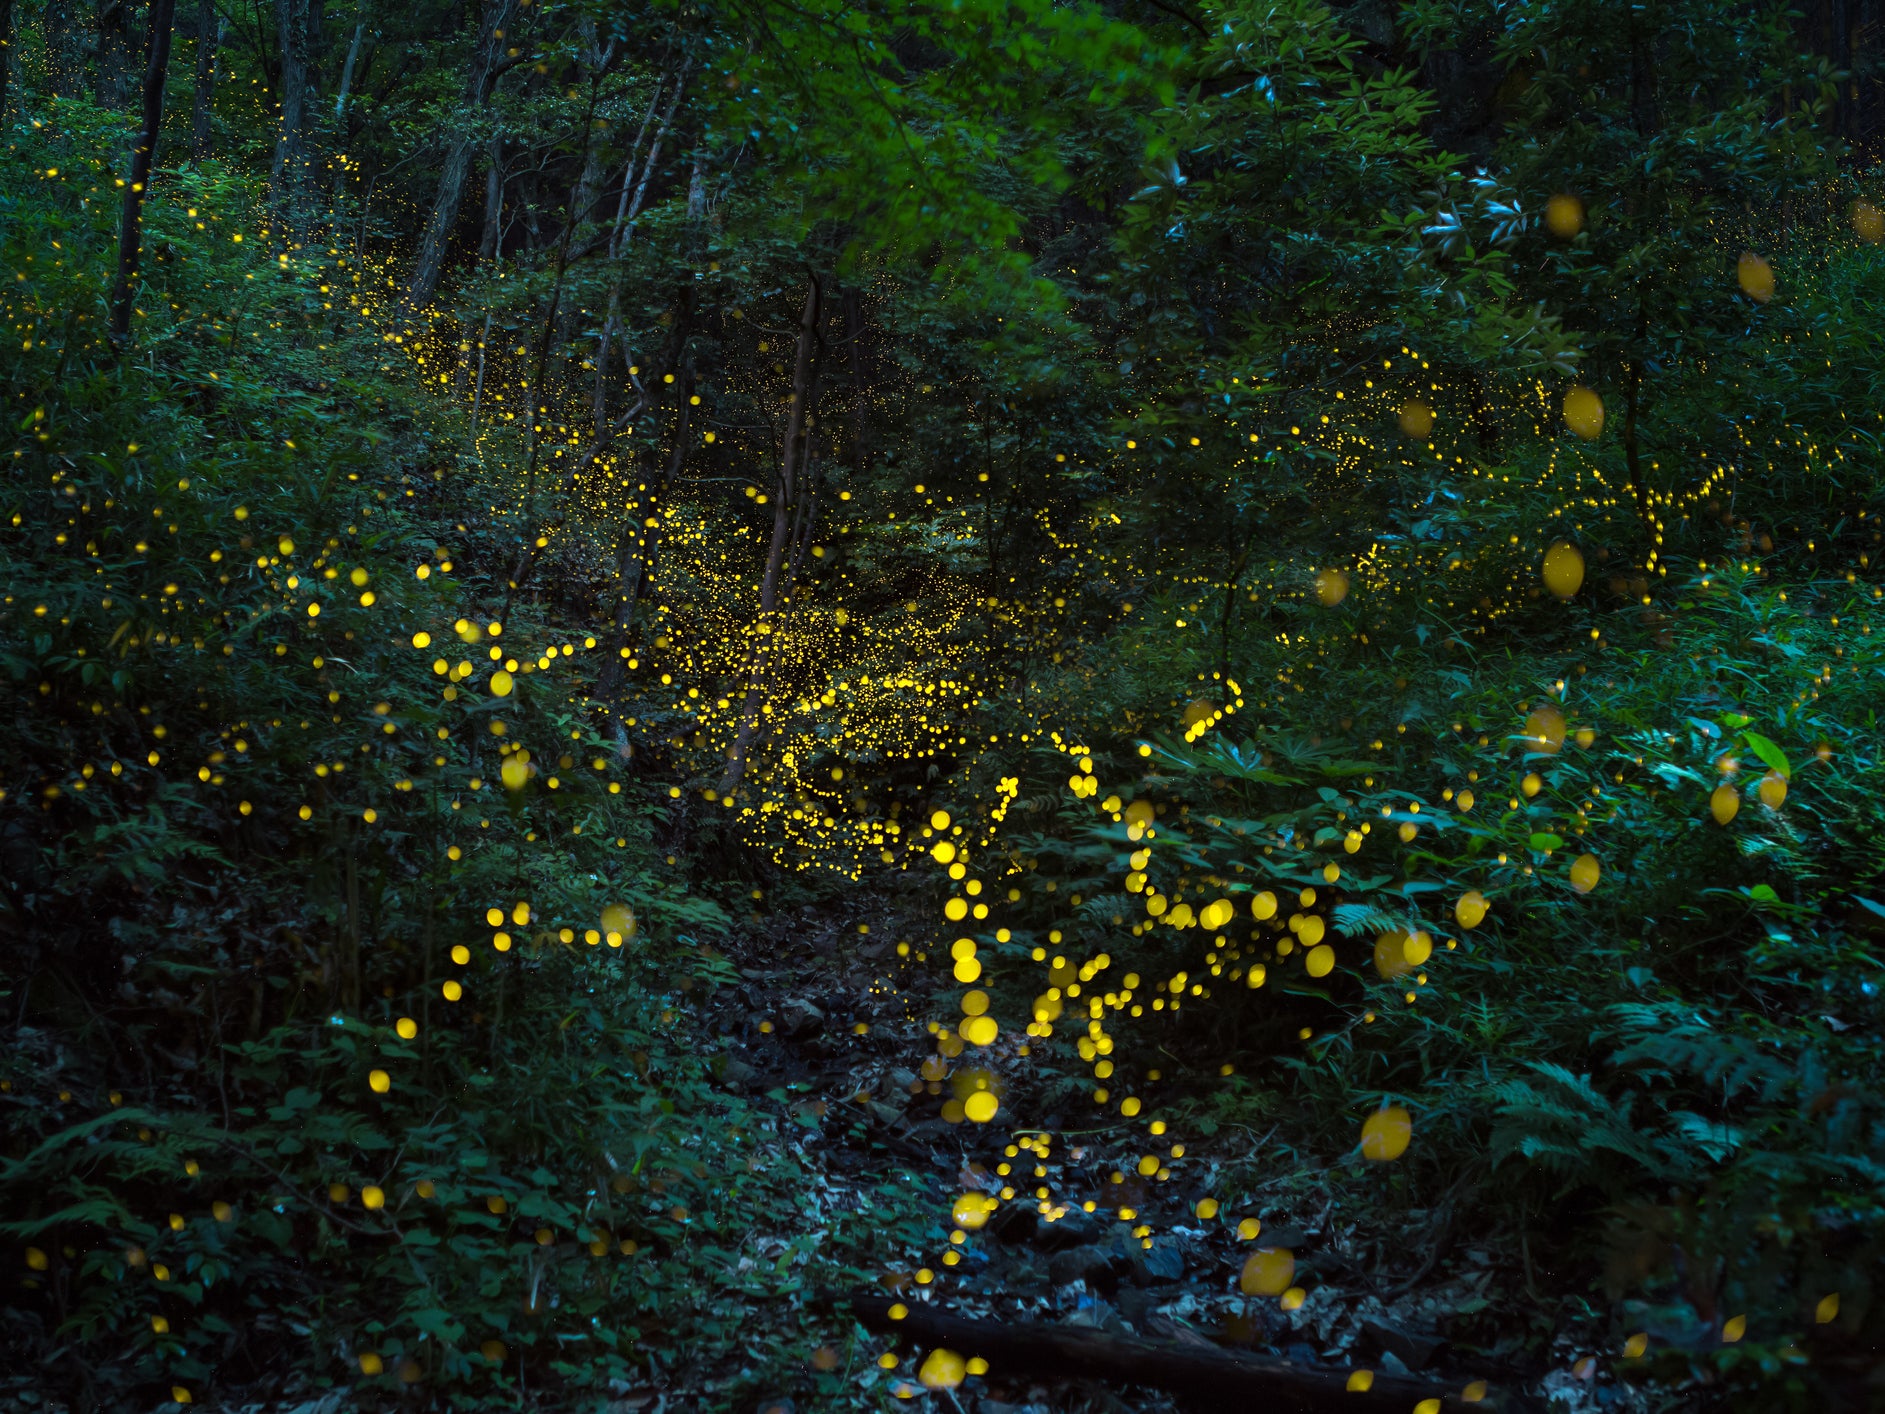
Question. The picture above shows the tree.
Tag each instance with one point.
(131, 229)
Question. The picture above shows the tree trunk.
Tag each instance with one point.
(860, 387)
(483, 72)
(627, 207)
(6, 50)
(112, 78)
(130, 232)
(1219, 1379)
(493, 202)
(636, 546)
(210, 30)
(784, 488)
(291, 37)
(526, 559)
(477, 395)
(1632, 449)
(63, 64)
(346, 74)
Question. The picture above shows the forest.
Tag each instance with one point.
(654, 641)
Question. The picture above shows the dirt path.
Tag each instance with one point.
(826, 1031)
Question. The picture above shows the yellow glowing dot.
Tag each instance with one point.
(501, 685)
(1267, 1272)
(1385, 1133)
(1868, 222)
(1471, 909)
(406, 1027)
(1584, 873)
(1584, 412)
(380, 1082)
(1563, 569)
(942, 1369)
(1756, 277)
(981, 1106)
(1564, 216)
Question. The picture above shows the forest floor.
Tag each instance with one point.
(1458, 1306)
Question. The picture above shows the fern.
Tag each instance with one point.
(1726, 1065)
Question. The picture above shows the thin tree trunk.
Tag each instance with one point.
(545, 338)
(784, 488)
(112, 79)
(493, 201)
(590, 179)
(626, 233)
(62, 43)
(635, 547)
(346, 73)
(860, 391)
(291, 37)
(210, 29)
(634, 159)
(623, 214)
(6, 50)
(1632, 453)
(130, 232)
(477, 396)
(484, 71)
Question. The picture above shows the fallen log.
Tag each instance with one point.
(1222, 1379)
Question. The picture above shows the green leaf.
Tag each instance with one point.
(1774, 758)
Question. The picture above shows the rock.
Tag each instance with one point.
(1072, 1229)
(1015, 1222)
(1409, 1347)
(902, 1080)
(884, 1114)
(1135, 1305)
(799, 1019)
(1163, 1263)
(894, 1098)
(1083, 1263)
(736, 1074)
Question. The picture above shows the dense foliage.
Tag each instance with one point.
(1356, 526)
